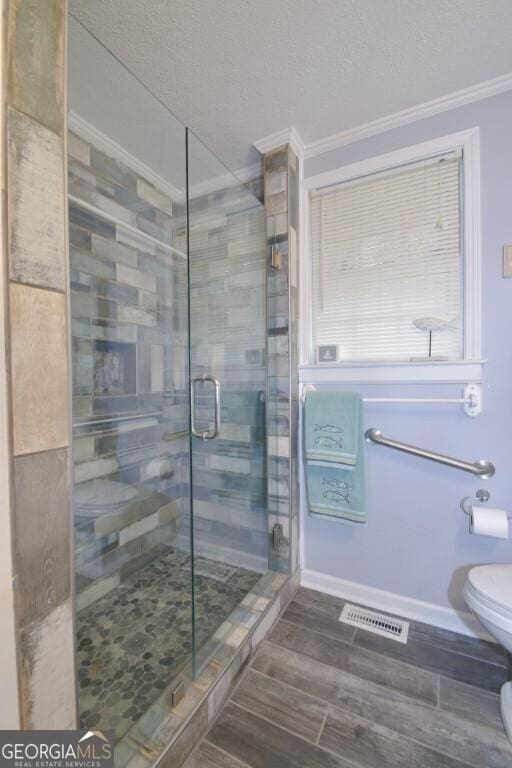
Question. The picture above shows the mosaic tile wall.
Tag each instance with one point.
(228, 306)
(281, 203)
(129, 329)
(129, 345)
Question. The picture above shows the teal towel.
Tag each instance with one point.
(336, 490)
(331, 427)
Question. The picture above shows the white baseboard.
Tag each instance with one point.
(399, 605)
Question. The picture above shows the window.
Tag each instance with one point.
(394, 260)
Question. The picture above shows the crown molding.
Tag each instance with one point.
(249, 173)
(373, 128)
(104, 143)
(427, 109)
(225, 180)
(279, 139)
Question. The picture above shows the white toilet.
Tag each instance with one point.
(488, 592)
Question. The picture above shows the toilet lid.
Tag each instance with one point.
(494, 583)
(103, 494)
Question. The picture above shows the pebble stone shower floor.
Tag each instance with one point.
(132, 642)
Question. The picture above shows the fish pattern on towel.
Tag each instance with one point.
(331, 427)
(339, 491)
(332, 437)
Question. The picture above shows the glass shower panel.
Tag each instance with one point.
(129, 315)
(227, 274)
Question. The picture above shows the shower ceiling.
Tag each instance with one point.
(237, 70)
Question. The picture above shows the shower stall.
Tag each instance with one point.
(169, 329)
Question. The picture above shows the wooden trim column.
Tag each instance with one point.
(35, 267)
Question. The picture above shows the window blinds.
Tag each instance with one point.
(386, 251)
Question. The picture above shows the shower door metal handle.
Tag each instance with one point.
(206, 434)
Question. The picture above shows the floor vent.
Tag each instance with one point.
(378, 623)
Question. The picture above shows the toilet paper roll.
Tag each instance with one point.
(488, 521)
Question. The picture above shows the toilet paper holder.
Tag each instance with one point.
(482, 496)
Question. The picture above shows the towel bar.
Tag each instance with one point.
(481, 468)
(471, 399)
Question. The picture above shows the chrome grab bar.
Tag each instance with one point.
(206, 434)
(117, 419)
(481, 468)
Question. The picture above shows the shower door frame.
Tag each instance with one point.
(213, 432)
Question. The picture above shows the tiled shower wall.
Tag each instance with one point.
(228, 306)
(130, 333)
(129, 329)
(35, 264)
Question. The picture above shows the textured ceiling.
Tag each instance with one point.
(238, 70)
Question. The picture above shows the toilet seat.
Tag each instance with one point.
(488, 592)
(494, 584)
(101, 497)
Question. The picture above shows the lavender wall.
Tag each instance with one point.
(416, 541)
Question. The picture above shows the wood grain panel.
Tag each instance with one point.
(462, 644)
(369, 745)
(36, 215)
(425, 633)
(446, 662)
(188, 738)
(455, 736)
(35, 74)
(42, 533)
(285, 706)
(47, 672)
(39, 352)
(471, 703)
(319, 599)
(379, 711)
(404, 678)
(321, 619)
(263, 745)
(208, 756)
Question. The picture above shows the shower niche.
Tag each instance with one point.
(115, 367)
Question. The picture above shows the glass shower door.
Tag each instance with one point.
(129, 318)
(227, 284)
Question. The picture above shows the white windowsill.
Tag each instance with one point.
(440, 371)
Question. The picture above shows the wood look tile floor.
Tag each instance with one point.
(320, 694)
